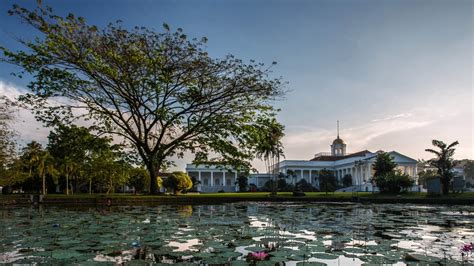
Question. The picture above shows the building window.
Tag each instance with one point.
(206, 182)
(217, 182)
(228, 182)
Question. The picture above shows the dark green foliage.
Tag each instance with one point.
(387, 178)
(177, 182)
(423, 176)
(283, 185)
(243, 183)
(347, 180)
(469, 169)
(384, 164)
(304, 186)
(393, 182)
(327, 181)
(444, 162)
(160, 92)
(139, 179)
(196, 182)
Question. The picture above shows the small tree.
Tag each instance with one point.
(424, 176)
(196, 182)
(327, 181)
(178, 182)
(444, 162)
(384, 164)
(304, 186)
(139, 179)
(469, 170)
(387, 178)
(347, 180)
(393, 182)
(243, 183)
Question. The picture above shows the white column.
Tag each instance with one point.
(311, 176)
(235, 180)
(200, 181)
(370, 171)
(212, 178)
(224, 182)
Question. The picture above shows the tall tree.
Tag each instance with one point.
(161, 92)
(444, 162)
(327, 181)
(74, 148)
(270, 148)
(384, 164)
(30, 158)
(46, 167)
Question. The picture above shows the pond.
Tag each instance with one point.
(290, 233)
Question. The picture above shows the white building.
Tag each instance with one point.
(212, 178)
(358, 165)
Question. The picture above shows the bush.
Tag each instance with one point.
(393, 182)
(347, 180)
(304, 186)
(243, 183)
(178, 182)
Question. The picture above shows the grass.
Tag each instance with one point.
(261, 195)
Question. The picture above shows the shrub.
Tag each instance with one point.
(304, 186)
(393, 182)
(178, 182)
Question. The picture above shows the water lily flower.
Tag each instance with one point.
(468, 248)
(260, 255)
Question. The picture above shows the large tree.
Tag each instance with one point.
(161, 92)
(384, 164)
(75, 149)
(443, 162)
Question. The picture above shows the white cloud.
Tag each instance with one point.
(25, 124)
(302, 144)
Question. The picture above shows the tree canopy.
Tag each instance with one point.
(384, 164)
(443, 161)
(387, 177)
(161, 92)
(178, 182)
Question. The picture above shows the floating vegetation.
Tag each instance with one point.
(239, 234)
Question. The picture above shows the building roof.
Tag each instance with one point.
(337, 158)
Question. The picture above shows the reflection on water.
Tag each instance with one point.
(334, 234)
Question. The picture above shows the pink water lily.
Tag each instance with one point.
(260, 255)
(468, 248)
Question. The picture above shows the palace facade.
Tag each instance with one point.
(358, 165)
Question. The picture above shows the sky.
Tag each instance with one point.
(396, 74)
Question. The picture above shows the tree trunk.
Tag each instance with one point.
(44, 184)
(90, 186)
(67, 182)
(445, 182)
(153, 175)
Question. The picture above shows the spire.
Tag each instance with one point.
(337, 128)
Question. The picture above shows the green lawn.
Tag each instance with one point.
(260, 195)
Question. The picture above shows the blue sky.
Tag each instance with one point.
(395, 73)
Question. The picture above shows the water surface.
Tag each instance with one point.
(294, 233)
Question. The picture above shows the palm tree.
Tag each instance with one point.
(46, 167)
(270, 149)
(444, 162)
